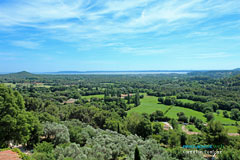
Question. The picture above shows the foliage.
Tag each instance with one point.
(21, 155)
(16, 124)
(215, 133)
(56, 133)
(229, 154)
(109, 145)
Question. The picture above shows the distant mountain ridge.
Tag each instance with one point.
(123, 71)
(25, 73)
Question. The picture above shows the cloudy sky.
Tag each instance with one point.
(80, 35)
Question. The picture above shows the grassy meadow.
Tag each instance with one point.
(172, 113)
(95, 96)
(149, 104)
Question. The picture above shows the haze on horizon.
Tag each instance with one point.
(78, 35)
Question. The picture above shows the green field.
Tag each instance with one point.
(172, 113)
(222, 119)
(186, 101)
(231, 129)
(41, 85)
(149, 104)
(95, 96)
(27, 85)
(9, 84)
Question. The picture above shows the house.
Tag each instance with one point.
(70, 101)
(9, 155)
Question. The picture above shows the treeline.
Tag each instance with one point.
(197, 106)
(193, 97)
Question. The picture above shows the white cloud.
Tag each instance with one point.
(74, 20)
(26, 44)
(141, 51)
(207, 56)
(212, 55)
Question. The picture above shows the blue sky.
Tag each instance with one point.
(81, 35)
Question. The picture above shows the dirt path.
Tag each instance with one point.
(233, 134)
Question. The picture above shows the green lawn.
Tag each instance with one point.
(96, 96)
(149, 104)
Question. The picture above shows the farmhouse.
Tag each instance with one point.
(71, 100)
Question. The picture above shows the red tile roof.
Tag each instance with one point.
(9, 155)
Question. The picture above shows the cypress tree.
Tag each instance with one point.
(128, 99)
(137, 154)
(137, 99)
(118, 129)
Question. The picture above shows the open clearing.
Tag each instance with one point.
(95, 96)
(186, 101)
(149, 104)
(172, 113)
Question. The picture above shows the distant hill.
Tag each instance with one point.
(237, 69)
(22, 74)
(216, 73)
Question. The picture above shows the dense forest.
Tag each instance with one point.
(77, 117)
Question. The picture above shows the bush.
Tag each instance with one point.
(44, 147)
(56, 133)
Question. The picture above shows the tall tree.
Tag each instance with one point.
(128, 99)
(215, 133)
(144, 128)
(137, 154)
(16, 125)
(137, 99)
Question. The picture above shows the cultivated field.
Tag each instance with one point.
(149, 104)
